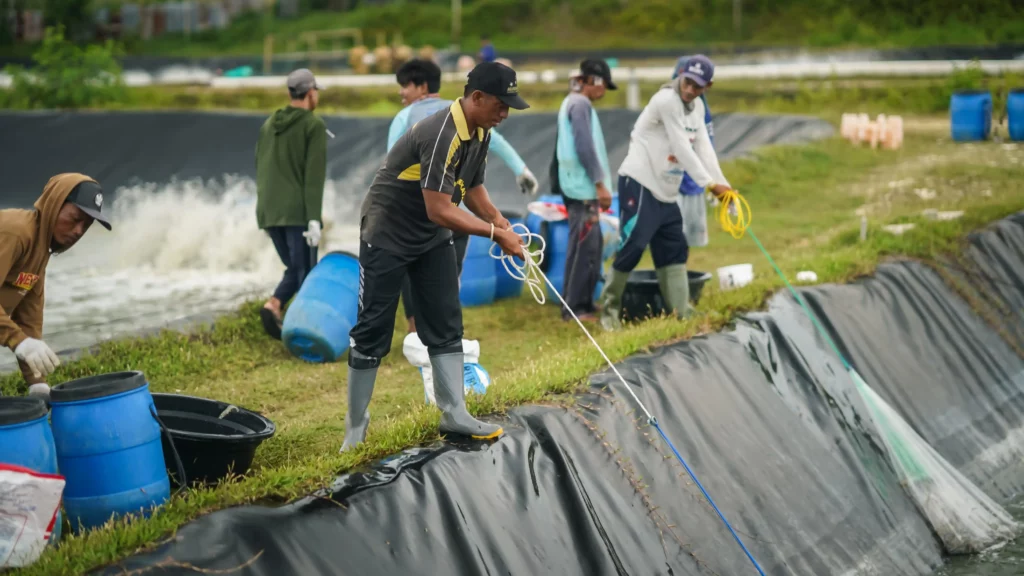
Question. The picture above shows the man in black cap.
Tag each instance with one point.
(291, 167)
(68, 206)
(581, 173)
(406, 225)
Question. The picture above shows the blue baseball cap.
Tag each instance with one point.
(698, 68)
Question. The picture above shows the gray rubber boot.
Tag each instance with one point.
(450, 393)
(360, 389)
(611, 300)
(675, 289)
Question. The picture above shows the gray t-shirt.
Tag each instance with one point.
(579, 110)
(438, 154)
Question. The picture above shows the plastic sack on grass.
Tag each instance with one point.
(29, 502)
(477, 378)
(964, 518)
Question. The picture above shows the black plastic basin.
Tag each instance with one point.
(210, 446)
(642, 297)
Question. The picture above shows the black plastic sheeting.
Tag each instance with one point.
(766, 416)
(131, 148)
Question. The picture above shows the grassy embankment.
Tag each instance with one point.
(805, 201)
(604, 24)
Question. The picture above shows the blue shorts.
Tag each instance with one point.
(646, 221)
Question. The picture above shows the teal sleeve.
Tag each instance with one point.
(316, 171)
(507, 153)
(398, 127)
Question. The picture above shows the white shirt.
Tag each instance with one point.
(665, 129)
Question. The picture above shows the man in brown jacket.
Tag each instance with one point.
(65, 211)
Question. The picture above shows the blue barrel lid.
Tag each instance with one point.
(97, 386)
(19, 410)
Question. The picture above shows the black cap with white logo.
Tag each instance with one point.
(497, 80)
(88, 196)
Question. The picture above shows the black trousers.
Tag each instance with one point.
(646, 221)
(297, 256)
(460, 243)
(435, 282)
(583, 259)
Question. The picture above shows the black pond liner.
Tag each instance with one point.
(642, 297)
(210, 446)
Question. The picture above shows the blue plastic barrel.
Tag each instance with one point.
(506, 286)
(1015, 114)
(26, 440)
(479, 281)
(108, 448)
(970, 115)
(317, 323)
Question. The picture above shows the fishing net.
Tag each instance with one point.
(964, 518)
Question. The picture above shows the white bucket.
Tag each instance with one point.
(735, 276)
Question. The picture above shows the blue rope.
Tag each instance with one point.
(654, 422)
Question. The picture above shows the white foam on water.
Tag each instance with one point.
(190, 249)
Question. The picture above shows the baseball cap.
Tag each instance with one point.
(700, 69)
(598, 68)
(497, 80)
(301, 81)
(88, 196)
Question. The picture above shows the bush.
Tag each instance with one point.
(66, 76)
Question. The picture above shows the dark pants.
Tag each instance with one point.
(297, 256)
(583, 259)
(460, 243)
(646, 221)
(435, 293)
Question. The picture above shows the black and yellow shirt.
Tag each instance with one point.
(439, 154)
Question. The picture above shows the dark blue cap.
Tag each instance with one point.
(698, 68)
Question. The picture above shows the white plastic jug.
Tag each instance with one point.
(735, 276)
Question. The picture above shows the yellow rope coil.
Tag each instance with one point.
(734, 214)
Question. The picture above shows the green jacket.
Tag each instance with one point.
(291, 166)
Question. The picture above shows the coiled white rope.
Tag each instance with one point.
(530, 273)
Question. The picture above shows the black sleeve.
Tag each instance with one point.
(437, 151)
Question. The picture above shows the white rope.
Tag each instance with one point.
(530, 273)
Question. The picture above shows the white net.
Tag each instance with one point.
(964, 518)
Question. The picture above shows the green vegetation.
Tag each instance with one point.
(589, 24)
(806, 203)
(66, 76)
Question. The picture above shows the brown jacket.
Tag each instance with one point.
(25, 238)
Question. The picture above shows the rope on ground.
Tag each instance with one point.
(530, 273)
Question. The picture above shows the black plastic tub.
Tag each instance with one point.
(642, 297)
(212, 438)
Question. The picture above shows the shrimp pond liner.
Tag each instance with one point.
(766, 416)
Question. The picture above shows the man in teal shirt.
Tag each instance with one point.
(585, 181)
(420, 82)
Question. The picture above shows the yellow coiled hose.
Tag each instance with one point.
(734, 215)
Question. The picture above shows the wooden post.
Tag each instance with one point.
(268, 53)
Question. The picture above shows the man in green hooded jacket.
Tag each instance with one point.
(291, 167)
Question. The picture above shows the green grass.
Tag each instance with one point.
(806, 203)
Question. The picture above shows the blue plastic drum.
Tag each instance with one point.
(26, 440)
(1015, 114)
(970, 115)
(479, 281)
(108, 448)
(317, 324)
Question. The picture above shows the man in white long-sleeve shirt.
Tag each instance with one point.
(669, 134)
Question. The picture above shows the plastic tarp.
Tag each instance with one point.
(765, 415)
(131, 148)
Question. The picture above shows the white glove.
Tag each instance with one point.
(38, 356)
(527, 182)
(312, 233)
